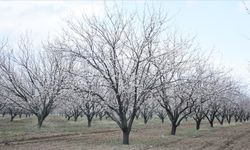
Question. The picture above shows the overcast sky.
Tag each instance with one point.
(220, 25)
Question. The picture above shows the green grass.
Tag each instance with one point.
(52, 125)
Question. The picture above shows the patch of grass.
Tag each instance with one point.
(52, 125)
(160, 136)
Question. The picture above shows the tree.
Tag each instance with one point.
(35, 81)
(120, 50)
(147, 110)
(178, 80)
(71, 105)
(161, 114)
(221, 84)
(2, 103)
(179, 103)
(101, 113)
(90, 107)
(203, 94)
(3, 100)
(13, 110)
(198, 114)
(242, 108)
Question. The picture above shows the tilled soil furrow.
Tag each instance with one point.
(232, 140)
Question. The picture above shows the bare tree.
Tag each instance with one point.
(68, 113)
(71, 105)
(2, 103)
(119, 49)
(90, 107)
(203, 93)
(231, 110)
(35, 81)
(221, 85)
(13, 110)
(179, 103)
(161, 113)
(242, 108)
(101, 113)
(178, 80)
(147, 110)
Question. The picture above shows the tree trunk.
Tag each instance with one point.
(75, 119)
(222, 121)
(211, 123)
(229, 119)
(198, 123)
(173, 130)
(162, 120)
(40, 121)
(12, 118)
(145, 120)
(89, 122)
(125, 137)
(236, 118)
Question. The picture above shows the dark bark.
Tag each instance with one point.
(161, 116)
(228, 118)
(236, 118)
(211, 123)
(12, 117)
(125, 138)
(76, 114)
(199, 116)
(145, 118)
(137, 116)
(221, 119)
(198, 123)
(40, 120)
(162, 120)
(173, 129)
(211, 118)
(125, 125)
(89, 121)
(75, 118)
(125, 134)
(101, 115)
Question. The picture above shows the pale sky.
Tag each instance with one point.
(220, 25)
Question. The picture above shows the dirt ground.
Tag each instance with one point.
(150, 137)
